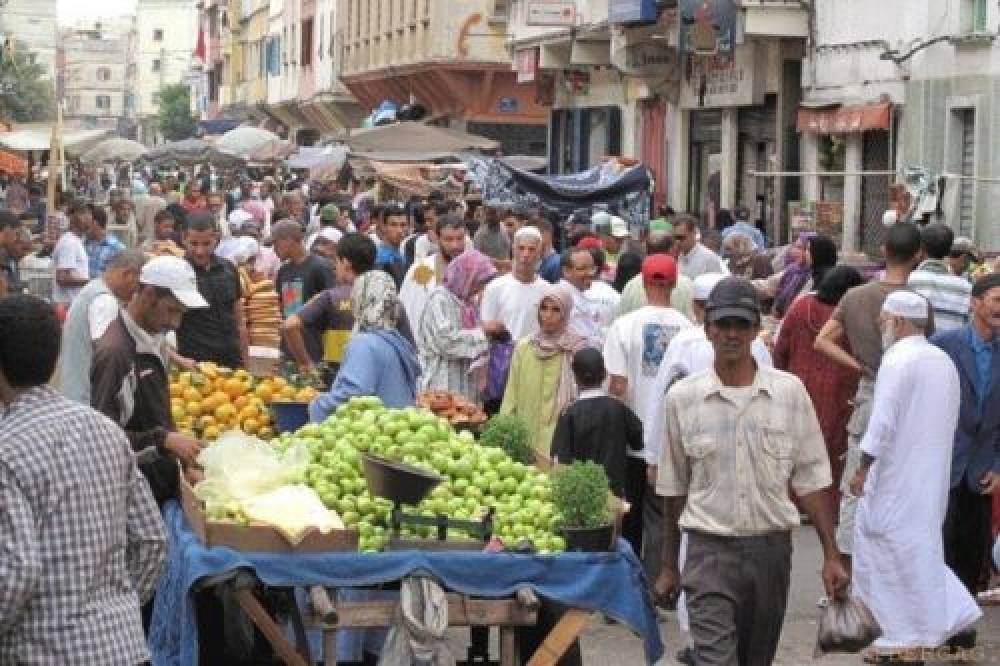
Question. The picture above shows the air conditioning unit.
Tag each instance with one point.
(499, 12)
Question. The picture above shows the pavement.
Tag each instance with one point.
(613, 645)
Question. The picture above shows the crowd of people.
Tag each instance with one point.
(727, 391)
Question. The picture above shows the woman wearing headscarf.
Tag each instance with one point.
(812, 257)
(541, 383)
(629, 265)
(830, 384)
(450, 335)
(378, 360)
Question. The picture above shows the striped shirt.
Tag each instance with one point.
(82, 542)
(733, 451)
(948, 294)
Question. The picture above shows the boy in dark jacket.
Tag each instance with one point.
(596, 426)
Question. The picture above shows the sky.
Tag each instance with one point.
(72, 10)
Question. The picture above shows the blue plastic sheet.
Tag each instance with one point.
(612, 583)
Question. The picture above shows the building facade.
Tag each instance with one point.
(96, 75)
(166, 39)
(450, 58)
(33, 24)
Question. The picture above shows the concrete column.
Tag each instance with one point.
(809, 158)
(852, 192)
(678, 157)
(730, 147)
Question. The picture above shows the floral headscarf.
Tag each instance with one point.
(465, 275)
(794, 277)
(563, 341)
(375, 302)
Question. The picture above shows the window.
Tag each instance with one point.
(158, 35)
(307, 34)
(156, 98)
(322, 25)
(103, 73)
(975, 16)
(103, 102)
(156, 65)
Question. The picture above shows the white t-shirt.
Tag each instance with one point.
(514, 303)
(103, 310)
(603, 302)
(634, 348)
(68, 254)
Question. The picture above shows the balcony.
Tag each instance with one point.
(776, 18)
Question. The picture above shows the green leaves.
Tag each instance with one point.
(509, 433)
(580, 493)
(26, 91)
(175, 119)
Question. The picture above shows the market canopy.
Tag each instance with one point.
(255, 145)
(114, 150)
(13, 164)
(622, 185)
(844, 119)
(322, 162)
(36, 138)
(414, 142)
(189, 152)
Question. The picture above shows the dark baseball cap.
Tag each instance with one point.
(733, 297)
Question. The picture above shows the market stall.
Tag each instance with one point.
(416, 498)
(191, 152)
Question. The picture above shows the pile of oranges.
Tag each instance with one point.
(212, 400)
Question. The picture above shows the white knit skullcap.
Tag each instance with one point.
(528, 232)
(704, 284)
(906, 304)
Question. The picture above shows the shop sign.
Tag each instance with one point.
(508, 105)
(526, 65)
(652, 58)
(708, 27)
(717, 82)
(551, 12)
(631, 11)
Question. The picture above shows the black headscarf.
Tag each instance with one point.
(629, 265)
(823, 252)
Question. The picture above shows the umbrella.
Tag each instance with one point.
(114, 150)
(254, 144)
(189, 152)
(37, 137)
(321, 161)
(410, 141)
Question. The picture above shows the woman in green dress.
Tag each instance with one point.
(541, 384)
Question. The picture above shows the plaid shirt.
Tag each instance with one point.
(82, 543)
(735, 460)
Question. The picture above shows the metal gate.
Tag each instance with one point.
(967, 186)
(875, 147)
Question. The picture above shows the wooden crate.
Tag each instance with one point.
(258, 538)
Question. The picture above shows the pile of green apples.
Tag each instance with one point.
(477, 478)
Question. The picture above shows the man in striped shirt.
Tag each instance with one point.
(948, 294)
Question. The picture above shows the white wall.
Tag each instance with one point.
(178, 19)
(33, 22)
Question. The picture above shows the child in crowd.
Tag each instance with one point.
(596, 426)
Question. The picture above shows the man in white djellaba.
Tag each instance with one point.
(899, 570)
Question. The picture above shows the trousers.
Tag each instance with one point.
(737, 591)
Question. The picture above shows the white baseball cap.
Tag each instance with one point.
(619, 228)
(907, 304)
(704, 284)
(175, 274)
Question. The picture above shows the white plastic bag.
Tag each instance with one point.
(293, 511)
(846, 625)
(238, 466)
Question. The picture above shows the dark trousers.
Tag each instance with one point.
(967, 535)
(652, 533)
(635, 491)
(737, 591)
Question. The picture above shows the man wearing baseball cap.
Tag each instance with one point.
(613, 233)
(129, 381)
(737, 436)
(633, 349)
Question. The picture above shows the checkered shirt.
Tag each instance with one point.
(82, 543)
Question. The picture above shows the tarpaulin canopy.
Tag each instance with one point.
(255, 145)
(39, 138)
(845, 119)
(321, 161)
(623, 186)
(420, 178)
(113, 150)
(190, 152)
(13, 164)
(414, 142)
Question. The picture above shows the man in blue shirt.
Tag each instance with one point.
(392, 229)
(975, 466)
(101, 246)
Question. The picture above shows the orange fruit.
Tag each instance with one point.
(279, 382)
(176, 388)
(265, 392)
(249, 412)
(193, 408)
(250, 426)
(266, 433)
(205, 422)
(234, 388)
(225, 412)
(241, 401)
(306, 394)
(288, 393)
(177, 413)
(191, 395)
(210, 434)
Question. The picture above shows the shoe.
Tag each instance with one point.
(686, 656)
(965, 640)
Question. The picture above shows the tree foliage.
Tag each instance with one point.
(26, 91)
(175, 120)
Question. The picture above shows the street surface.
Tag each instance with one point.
(613, 645)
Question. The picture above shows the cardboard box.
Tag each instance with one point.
(258, 538)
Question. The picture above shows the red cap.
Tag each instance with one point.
(659, 268)
(590, 243)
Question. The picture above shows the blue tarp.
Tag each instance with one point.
(612, 583)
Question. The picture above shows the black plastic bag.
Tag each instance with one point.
(845, 625)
